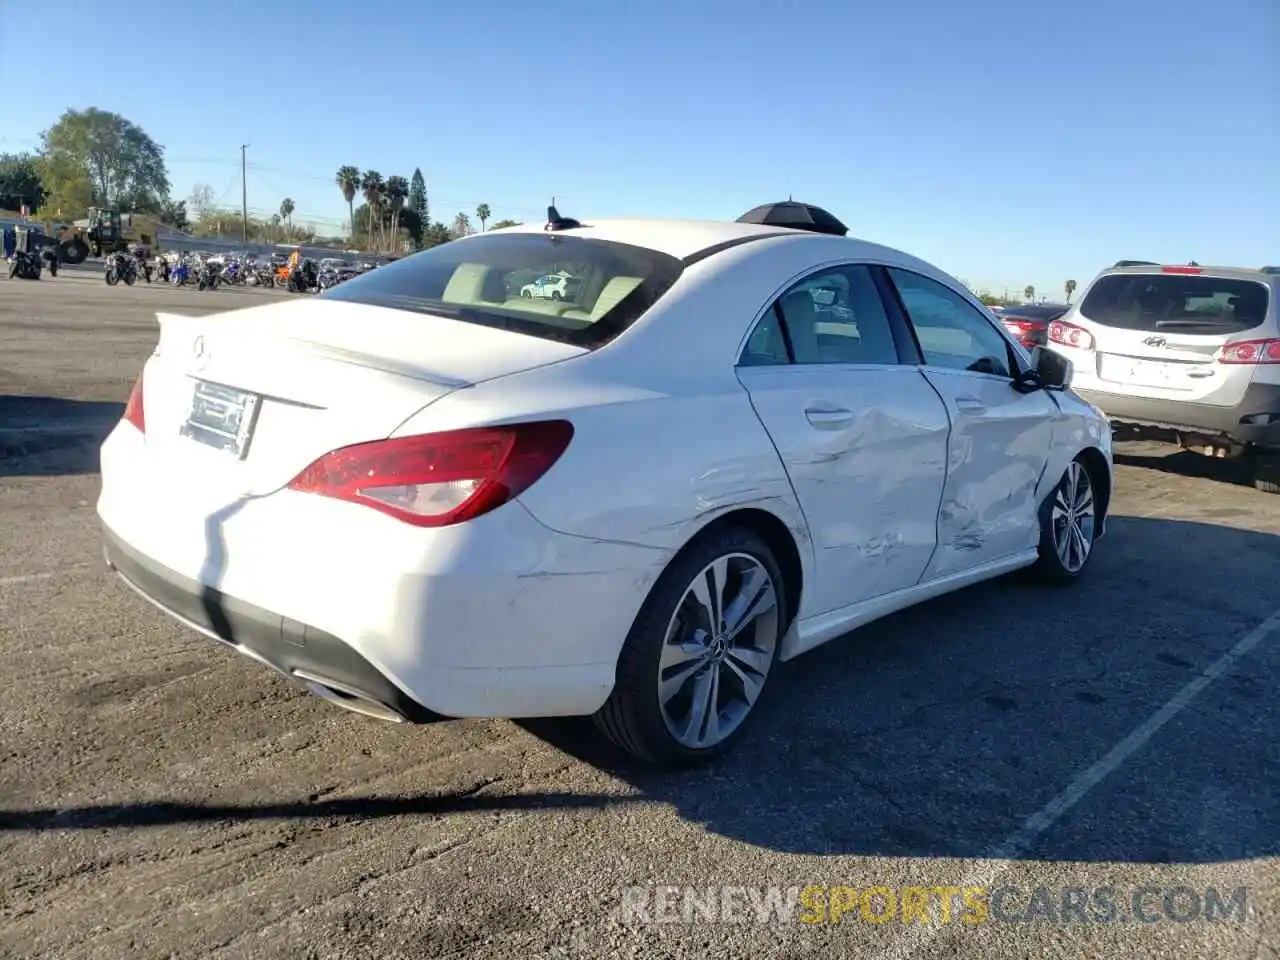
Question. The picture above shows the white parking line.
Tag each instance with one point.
(998, 859)
(26, 578)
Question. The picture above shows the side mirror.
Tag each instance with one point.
(1048, 371)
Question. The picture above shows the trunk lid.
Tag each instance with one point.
(243, 401)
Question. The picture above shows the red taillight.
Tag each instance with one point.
(1181, 270)
(133, 409)
(440, 479)
(1251, 351)
(1069, 335)
(1027, 332)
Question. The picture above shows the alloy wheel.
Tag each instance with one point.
(718, 650)
(1071, 520)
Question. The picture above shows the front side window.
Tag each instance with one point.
(951, 331)
(572, 289)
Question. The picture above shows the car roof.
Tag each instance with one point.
(676, 238)
(1156, 269)
(689, 239)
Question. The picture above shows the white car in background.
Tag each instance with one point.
(1189, 350)
(552, 286)
(421, 495)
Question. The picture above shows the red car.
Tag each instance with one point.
(1030, 322)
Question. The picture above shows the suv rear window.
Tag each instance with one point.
(1182, 303)
(572, 289)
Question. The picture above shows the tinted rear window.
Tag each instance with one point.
(1186, 304)
(571, 289)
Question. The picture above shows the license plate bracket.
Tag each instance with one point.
(221, 417)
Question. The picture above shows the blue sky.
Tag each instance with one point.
(1008, 141)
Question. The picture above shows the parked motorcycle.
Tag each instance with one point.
(209, 276)
(180, 273)
(120, 266)
(24, 266)
(142, 265)
(233, 273)
(161, 269)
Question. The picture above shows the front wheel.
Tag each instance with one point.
(696, 661)
(1068, 520)
(111, 278)
(1266, 472)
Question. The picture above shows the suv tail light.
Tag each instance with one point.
(439, 479)
(133, 409)
(1251, 351)
(1069, 335)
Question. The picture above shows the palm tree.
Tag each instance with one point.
(482, 214)
(461, 225)
(348, 180)
(286, 212)
(1029, 292)
(1070, 287)
(372, 186)
(275, 225)
(397, 193)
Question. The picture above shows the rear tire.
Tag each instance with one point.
(709, 632)
(1266, 472)
(1068, 521)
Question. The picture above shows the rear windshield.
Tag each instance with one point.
(571, 289)
(1183, 303)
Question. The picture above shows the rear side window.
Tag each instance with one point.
(1178, 302)
(572, 289)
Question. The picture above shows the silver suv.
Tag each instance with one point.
(1193, 351)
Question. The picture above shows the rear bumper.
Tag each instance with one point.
(296, 650)
(1255, 420)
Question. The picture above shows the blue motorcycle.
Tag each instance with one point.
(180, 273)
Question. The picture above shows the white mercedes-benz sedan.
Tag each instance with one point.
(423, 495)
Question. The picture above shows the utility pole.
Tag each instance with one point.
(244, 197)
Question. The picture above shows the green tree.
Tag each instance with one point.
(68, 192)
(174, 213)
(125, 167)
(348, 180)
(20, 182)
(435, 235)
(286, 211)
(418, 196)
(483, 214)
(501, 224)
(372, 186)
(1070, 288)
(396, 193)
(1029, 292)
(462, 226)
(412, 225)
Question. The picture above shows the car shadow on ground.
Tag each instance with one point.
(1186, 463)
(938, 731)
(53, 436)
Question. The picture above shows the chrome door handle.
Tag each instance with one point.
(970, 405)
(827, 416)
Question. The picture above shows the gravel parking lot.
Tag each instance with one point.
(163, 797)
